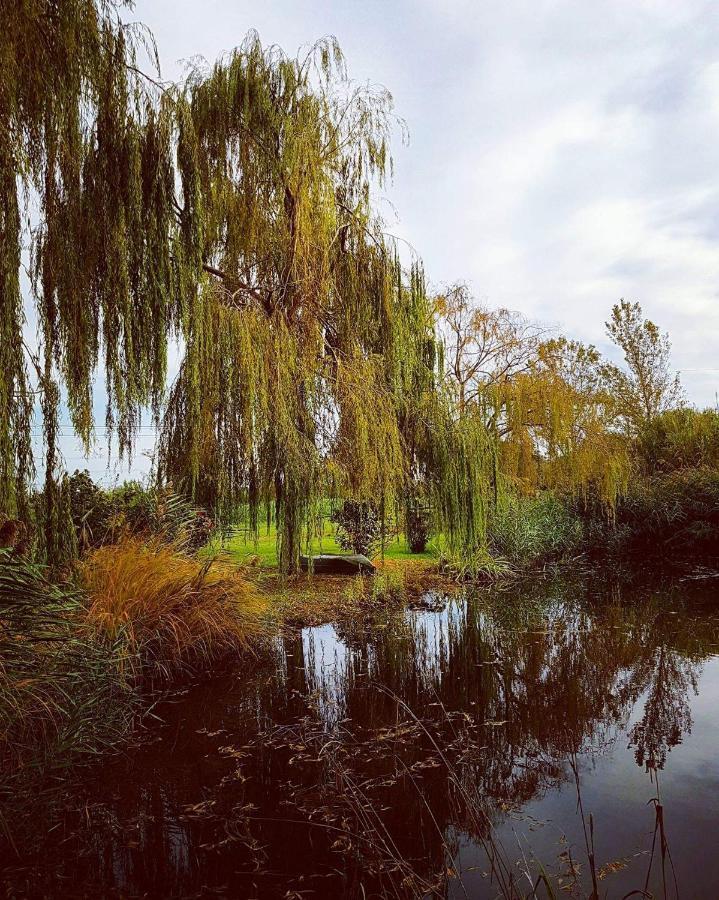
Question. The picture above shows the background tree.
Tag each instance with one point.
(543, 401)
(582, 451)
(483, 347)
(647, 387)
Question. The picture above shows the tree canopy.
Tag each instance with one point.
(647, 387)
(234, 214)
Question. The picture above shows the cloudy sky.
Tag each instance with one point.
(562, 154)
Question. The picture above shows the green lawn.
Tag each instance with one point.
(242, 547)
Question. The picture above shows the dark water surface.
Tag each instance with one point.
(439, 753)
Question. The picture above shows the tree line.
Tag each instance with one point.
(233, 212)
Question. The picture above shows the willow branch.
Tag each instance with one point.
(242, 286)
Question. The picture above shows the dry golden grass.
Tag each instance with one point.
(172, 611)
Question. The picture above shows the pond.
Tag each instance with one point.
(472, 746)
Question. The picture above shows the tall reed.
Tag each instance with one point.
(60, 690)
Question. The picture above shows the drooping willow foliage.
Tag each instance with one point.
(234, 213)
(86, 208)
(305, 340)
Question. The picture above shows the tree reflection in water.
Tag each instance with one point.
(667, 711)
(368, 761)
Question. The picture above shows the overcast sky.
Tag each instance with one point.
(562, 154)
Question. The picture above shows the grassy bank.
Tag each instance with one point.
(244, 550)
(314, 599)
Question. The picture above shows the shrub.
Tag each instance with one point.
(418, 525)
(90, 509)
(104, 516)
(672, 513)
(358, 526)
(171, 611)
(14, 536)
(137, 510)
(680, 439)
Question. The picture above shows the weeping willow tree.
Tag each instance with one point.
(309, 350)
(232, 213)
(86, 209)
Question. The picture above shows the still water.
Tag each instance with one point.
(480, 745)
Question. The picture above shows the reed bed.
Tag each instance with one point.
(60, 694)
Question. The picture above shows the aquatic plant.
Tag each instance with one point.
(170, 611)
(388, 587)
(531, 531)
(481, 565)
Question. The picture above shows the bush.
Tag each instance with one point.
(676, 513)
(171, 611)
(680, 439)
(418, 526)
(104, 516)
(358, 526)
(14, 536)
(90, 509)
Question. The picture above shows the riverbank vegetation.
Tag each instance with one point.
(321, 377)
(61, 696)
(171, 611)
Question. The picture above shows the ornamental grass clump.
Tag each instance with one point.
(173, 612)
(532, 532)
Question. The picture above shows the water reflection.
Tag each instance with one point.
(421, 758)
